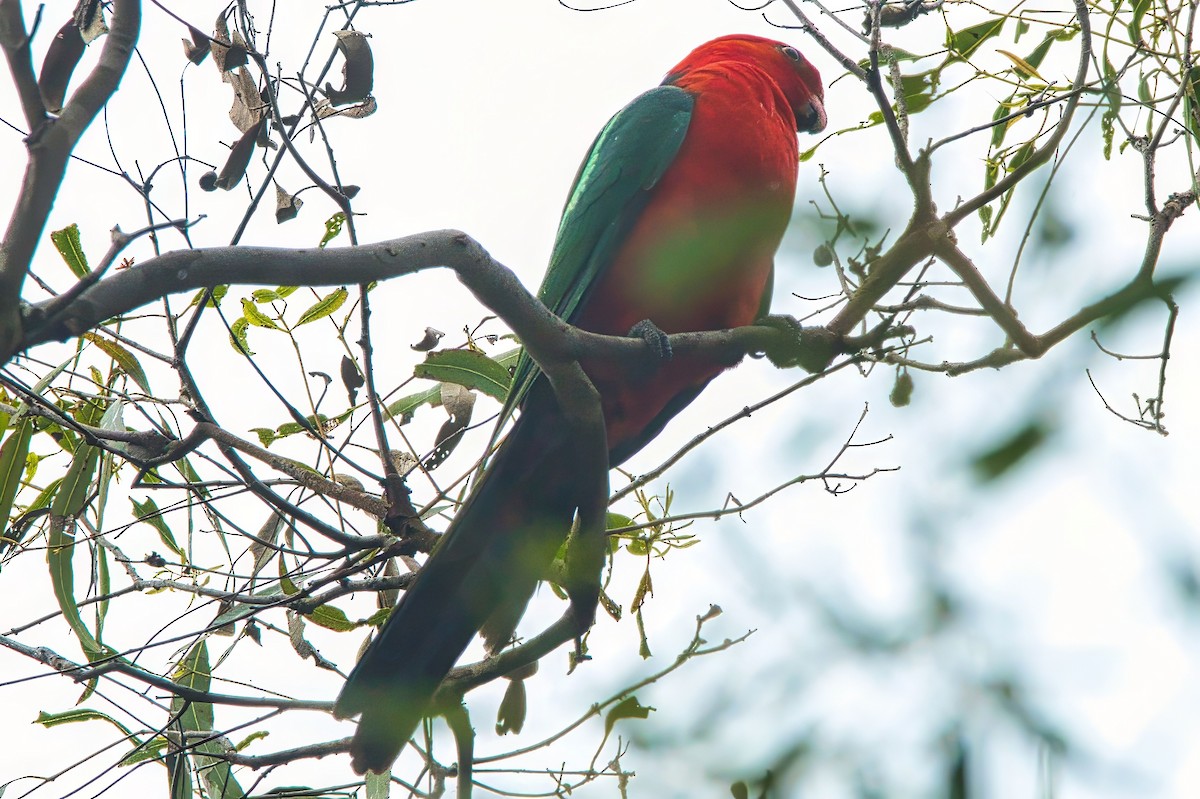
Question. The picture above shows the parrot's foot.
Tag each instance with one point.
(652, 334)
(578, 655)
(811, 348)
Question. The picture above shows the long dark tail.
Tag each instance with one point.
(482, 572)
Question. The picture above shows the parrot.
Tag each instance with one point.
(671, 226)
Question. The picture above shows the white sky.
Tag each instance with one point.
(1060, 570)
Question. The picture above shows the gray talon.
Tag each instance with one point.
(653, 335)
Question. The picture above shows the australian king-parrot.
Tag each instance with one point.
(671, 226)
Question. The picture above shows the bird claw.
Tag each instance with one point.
(653, 335)
(579, 655)
(812, 349)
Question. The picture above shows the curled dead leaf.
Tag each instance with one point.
(358, 73)
(352, 379)
(431, 339)
(403, 461)
(199, 47)
(459, 403)
(239, 159)
(61, 59)
(89, 19)
(367, 107)
(287, 206)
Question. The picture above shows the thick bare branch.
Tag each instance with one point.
(14, 39)
(50, 148)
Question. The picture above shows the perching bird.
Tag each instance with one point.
(674, 218)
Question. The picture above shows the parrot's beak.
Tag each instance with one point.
(811, 117)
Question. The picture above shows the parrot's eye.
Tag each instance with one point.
(792, 53)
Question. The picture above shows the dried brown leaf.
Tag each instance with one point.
(239, 159)
(61, 59)
(199, 47)
(325, 109)
(287, 206)
(89, 19)
(358, 73)
(459, 403)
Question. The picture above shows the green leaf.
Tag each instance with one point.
(66, 241)
(124, 358)
(40, 386)
(985, 217)
(81, 714)
(919, 82)
(189, 473)
(266, 436)
(333, 226)
(179, 774)
(377, 618)
(320, 423)
(67, 504)
(645, 588)
(244, 744)
(1024, 68)
(285, 291)
(405, 407)
(643, 641)
(627, 708)
(195, 672)
(324, 307)
(73, 492)
(1019, 445)
(44, 497)
(13, 453)
(145, 751)
(616, 521)
(1143, 91)
(264, 295)
(1035, 58)
(466, 368)
(113, 421)
(998, 130)
(237, 336)
(149, 513)
(902, 390)
(379, 786)
(1191, 102)
(916, 103)
(104, 588)
(1139, 9)
(286, 585)
(257, 317)
(964, 43)
(1112, 97)
(889, 54)
(1021, 156)
(331, 618)
(241, 611)
(218, 294)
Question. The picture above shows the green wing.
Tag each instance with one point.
(611, 188)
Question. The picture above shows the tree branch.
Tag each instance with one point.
(1043, 153)
(15, 42)
(49, 150)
